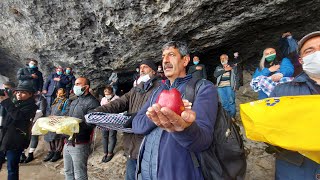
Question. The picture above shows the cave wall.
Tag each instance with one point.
(98, 36)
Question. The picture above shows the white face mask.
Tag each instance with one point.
(144, 78)
(311, 64)
(108, 96)
(78, 90)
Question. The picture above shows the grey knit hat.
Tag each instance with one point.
(307, 37)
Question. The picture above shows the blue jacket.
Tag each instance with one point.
(52, 86)
(174, 159)
(286, 68)
(301, 85)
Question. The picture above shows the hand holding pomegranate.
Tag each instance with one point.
(171, 112)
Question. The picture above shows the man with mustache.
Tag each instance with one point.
(169, 137)
(289, 164)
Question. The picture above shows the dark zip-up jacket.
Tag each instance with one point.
(78, 108)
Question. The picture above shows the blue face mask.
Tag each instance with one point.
(59, 72)
(32, 66)
(68, 71)
(196, 62)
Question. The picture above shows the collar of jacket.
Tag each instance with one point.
(84, 96)
(302, 77)
(20, 103)
(145, 87)
(178, 81)
(33, 69)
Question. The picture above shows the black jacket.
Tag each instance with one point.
(24, 74)
(200, 74)
(17, 124)
(78, 108)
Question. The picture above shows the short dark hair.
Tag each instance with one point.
(31, 59)
(69, 68)
(10, 83)
(108, 88)
(87, 81)
(181, 46)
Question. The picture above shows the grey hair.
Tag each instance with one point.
(181, 46)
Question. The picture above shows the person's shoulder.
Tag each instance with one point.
(219, 67)
(94, 99)
(115, 97)
(285, 60)
(203, 84)
(22, 70)
(288, 88)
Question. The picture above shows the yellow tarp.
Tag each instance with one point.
(58, 124)
(291, 122)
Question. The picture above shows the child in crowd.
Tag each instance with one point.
(59, 107)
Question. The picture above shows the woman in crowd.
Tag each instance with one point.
(59, 107)
(274, 66)
(109, 137)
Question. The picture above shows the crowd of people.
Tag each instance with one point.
(161, 142)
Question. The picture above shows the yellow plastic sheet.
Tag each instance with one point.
(58, 124)
(291, 122)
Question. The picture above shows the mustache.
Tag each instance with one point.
(167, 65)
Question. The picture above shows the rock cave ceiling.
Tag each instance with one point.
(96, 37)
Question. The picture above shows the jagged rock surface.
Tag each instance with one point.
(97, 36)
